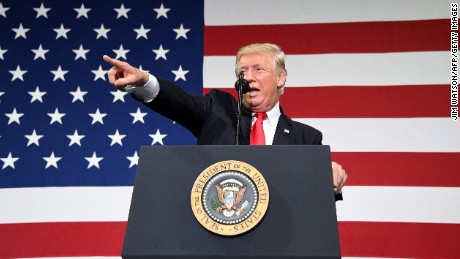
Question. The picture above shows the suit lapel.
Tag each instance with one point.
(246, 119)
(284, 131)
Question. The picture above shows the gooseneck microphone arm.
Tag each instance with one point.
(242, 86)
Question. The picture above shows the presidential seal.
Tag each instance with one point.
(229, 198)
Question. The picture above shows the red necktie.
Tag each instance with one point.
(257, 131)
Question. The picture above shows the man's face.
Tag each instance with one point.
(259, 70)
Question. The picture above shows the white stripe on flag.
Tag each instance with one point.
(399, 204)
(405, 68)
(240, 12)
(82, 204)
(65, 204)
(388, 135)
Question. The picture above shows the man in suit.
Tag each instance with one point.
(213, 118)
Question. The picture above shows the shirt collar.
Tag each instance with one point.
(273, 114)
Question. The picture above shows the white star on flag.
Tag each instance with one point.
(180, 74)
(138, 116)
(80, 53)
(161, 53)
(157, 137)
(18, 73)
(9, 161)
(61, 32)
(56, 116)
(141, 32)
(93, 160)
(133, 160)
(99, 73)
(20, 31)
(37, 95)
(116, 138)
(82, 11)
(102, 32)
(3, 10)
(181, 32)
(52, 160)
(97, 117)
(141, 69)
(42, 11)
(122, 11)
(162, 11)
(118, 95)
(59, 74)
(14, 116)
(78, 95)
(40, 52)
(2, 51)
(121, 52)
(75, 138)
(33, 138)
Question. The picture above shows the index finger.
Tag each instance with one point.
(113, 62)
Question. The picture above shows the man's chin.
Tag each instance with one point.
(255, 107)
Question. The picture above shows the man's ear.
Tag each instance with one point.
(281, 80)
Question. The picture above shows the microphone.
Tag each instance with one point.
(242, 84)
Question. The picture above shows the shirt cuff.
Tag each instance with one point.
(147, 92)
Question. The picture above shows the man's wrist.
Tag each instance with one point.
(147, 92)
(145, 78)
(143, 82)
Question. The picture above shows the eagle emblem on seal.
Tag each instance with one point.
(230, 193)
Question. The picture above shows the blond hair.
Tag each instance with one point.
(273, 50)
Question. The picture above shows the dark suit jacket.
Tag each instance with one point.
(212, 118)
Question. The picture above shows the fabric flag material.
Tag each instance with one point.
(69, 141)
(373, 76)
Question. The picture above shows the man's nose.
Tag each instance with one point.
(248, 76)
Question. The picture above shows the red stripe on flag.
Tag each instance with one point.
(358, 37)
(61, 239)
(400, 169)
(414, 240)
(402, 240)
(364, 102)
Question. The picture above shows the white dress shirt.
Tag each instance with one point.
(270, 123)
(145, 93)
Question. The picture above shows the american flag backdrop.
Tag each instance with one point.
(373, 76)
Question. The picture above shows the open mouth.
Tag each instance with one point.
(253, 92)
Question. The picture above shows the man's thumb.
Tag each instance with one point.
(121, 82)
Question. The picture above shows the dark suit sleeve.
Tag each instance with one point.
(309, 135)
(199, 114)
(186, 109)
(318, 139)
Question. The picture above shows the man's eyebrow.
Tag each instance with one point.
(254, 65)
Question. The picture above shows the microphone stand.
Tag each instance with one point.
(242, 86)
(238, 118)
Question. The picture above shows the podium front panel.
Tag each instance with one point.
(300, 222)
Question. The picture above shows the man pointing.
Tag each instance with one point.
(213, 118)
